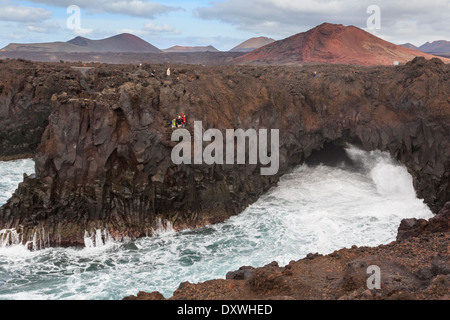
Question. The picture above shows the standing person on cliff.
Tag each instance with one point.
(179, 122)
(168, 73)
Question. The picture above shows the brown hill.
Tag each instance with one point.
(120, 43)
(252, 44)
(52, 47)
(330, 43)
(182, 49)
(124, 42)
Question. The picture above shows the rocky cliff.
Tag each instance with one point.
(104, 158)
(25, 91)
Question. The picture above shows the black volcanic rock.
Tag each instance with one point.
(104, 158)
(410, 228)
(26, 90)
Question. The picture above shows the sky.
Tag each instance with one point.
(221, 23)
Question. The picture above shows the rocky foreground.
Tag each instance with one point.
(415, 267)
(103, 146)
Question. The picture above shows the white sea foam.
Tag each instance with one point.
(98, 239)
(163, 228)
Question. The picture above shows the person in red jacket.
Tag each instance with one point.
(183, 118)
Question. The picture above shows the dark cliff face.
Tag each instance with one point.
(104, 160)
(25, 92)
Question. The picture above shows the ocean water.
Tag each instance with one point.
(313, 209)
(11, 174)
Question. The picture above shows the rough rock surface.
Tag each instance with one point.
(415, 269)
(25, 92)
(104, 159)
(414, 227)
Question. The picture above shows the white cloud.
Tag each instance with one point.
(50, 27)
(281, 18)
(134, 8)
(17, 36)
(151, 29)
(135, 32)
(83, 32)
(23, 14)
(158, 29)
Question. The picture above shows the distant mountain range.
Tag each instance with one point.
(332, 43)
(441, 46)
(436, 47)
(327, 43)
(124, 42)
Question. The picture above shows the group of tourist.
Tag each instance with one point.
(179, 123)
